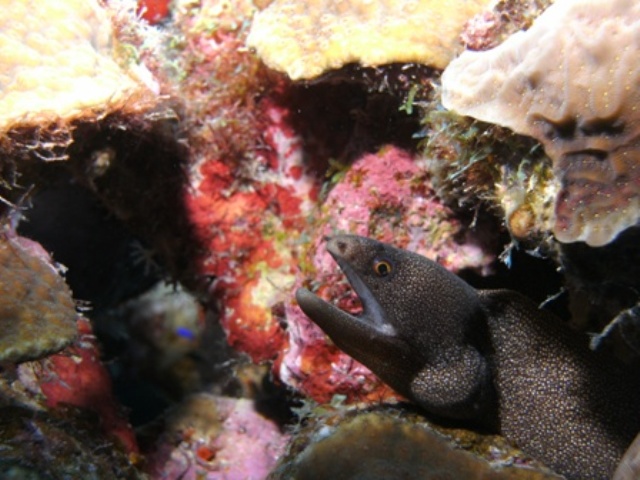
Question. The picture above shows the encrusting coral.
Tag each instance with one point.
(72, 378)
(571, 81)
(249, 188)
(307, 38)
(40, 445)
(37, 312)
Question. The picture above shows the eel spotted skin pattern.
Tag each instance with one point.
(490, 358)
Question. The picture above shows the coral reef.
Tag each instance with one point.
(224, 175)
(65, 75)
(490, 28)
(37, 311)
(154, 11)
(59, 417)
(76, 377)
(249, 188)
(386, 443)
(307, 38)
(239, 154)
(477, 165)
(387, 196)
(43, 445)
(58, 65)
(565, 83)
(216, 438)
(249, 233)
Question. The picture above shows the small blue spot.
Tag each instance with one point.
(185, 333)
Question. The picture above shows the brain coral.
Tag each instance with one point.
(572, 82)
(306, 38)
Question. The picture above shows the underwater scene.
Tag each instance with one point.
(319, 239)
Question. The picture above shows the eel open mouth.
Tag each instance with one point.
(344, 248)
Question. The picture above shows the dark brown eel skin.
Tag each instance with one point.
(489, 358)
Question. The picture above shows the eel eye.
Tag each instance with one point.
(382, 268)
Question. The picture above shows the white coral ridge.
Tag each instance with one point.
(572, 82)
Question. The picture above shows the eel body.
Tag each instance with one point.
(490, 358)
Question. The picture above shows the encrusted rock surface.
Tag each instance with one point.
(387, 443)
(216, 438)
(37, 311)
(45, 445)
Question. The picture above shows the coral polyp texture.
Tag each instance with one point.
(37, 311)
(572, 82)
(386, 195)
(307, 38)
(57, 64)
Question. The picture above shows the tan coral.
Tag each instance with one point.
(306, 38)
(56, 64)
(37, 312)
(572, 82)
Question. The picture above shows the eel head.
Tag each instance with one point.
(417, 327)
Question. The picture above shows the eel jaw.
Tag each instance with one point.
(334, 321)
(373, 314)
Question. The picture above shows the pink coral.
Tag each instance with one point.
(480, 31)
(217, 438)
